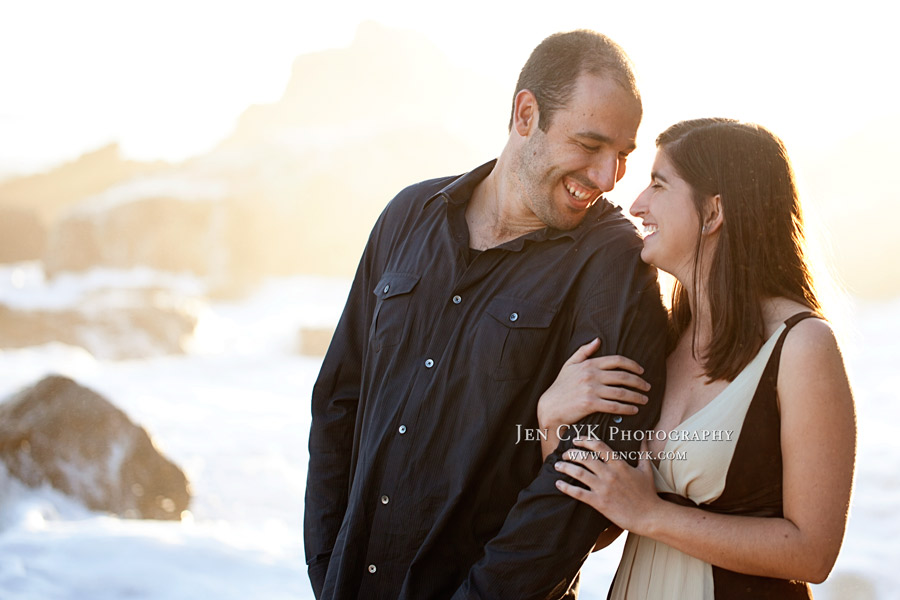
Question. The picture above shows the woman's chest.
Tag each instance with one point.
(688, 391)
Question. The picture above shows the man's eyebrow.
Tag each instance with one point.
(599, 137)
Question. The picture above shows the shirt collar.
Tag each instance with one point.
(459, 191)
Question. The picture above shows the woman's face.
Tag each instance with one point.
(670, 220)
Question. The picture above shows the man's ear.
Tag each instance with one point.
(525, 113)
(715, 215)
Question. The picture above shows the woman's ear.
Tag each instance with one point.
(715, 215)
(525, 113)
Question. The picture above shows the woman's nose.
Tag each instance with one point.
(639, 206)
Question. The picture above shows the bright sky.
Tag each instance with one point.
(167, 79)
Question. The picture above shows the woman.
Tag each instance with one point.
(759, 508)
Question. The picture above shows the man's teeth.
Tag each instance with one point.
(650, 229)
(579, 195)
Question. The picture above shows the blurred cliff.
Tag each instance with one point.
(298, 184)
(295, 188)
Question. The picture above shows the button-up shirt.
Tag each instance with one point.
(421, 484)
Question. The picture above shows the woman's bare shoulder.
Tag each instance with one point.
(778, 310)
(812, 367)
(810, 339)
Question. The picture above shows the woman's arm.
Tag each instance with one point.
(588, 385)
(818, 441)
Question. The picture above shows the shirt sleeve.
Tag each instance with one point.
(547, 535)
(335, 399)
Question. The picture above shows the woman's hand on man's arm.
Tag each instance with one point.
(584, 386)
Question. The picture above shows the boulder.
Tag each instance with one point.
(68, 436)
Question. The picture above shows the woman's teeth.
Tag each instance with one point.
(650, 229)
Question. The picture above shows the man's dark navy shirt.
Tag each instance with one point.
(417, 487)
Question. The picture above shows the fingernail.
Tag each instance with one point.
(557, 465)
(559, 483)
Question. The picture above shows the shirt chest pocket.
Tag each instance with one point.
(393, 293)
(510, 336)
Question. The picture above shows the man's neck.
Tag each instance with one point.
(495, 213)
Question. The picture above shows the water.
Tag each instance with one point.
(234, 414)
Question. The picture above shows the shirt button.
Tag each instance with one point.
(372, 568)
(514, 317)
(617, 419)
(385, 499)
(457, 299)
(402, 429)
(429, 363)
(386, 288)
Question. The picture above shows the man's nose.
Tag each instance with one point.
(604, 173)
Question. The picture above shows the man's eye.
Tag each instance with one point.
(590, 148)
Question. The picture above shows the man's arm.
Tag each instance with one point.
(547, 535)
(335, 399)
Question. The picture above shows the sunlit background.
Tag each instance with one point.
(185, 188)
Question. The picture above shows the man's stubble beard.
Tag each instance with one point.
(537, 187)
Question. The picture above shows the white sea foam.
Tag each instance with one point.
(235, 416)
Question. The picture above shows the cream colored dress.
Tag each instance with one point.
(652, 570)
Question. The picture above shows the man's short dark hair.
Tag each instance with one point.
(554, 67)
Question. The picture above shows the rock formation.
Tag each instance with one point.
(65, 435)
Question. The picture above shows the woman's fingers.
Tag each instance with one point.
(617, 394)
(579, 473)
(612, 407)
(584, 352)
(616, 361)
(591, 459)
(644, 459)
(573, 490)
(592, 444)
(609, 384)
(625, 378)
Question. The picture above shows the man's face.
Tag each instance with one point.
(582, 155)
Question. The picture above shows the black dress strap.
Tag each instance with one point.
(764, 400)
(775, 358)
(794, 319)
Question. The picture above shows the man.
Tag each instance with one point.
(471, 294)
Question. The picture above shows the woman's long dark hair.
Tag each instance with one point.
(761, 249)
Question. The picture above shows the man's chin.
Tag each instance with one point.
(566, 225)
(569, 221)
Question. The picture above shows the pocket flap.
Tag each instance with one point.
(395, 284)
(514, 312)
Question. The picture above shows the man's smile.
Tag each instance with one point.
(583, 195)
